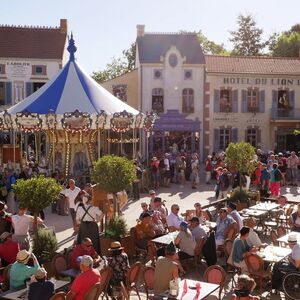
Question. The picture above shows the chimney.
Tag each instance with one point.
(140, 30)
(63, 25)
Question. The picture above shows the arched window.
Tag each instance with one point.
(158, 100)
(188, 101)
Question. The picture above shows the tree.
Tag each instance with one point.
(287, 45)
(247, 39)
(36, 194)
(240, 157)
(113, 174)
(208, 46)
(118, 66)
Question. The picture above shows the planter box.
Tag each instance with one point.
(105, 244)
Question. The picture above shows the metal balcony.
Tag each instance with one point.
(285, 114)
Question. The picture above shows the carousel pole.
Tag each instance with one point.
(14, 146)
(21, 147)
(26, 145)
(121, 144)
(36, 147)
(53, 154)
(147, 146)
(133, 144)
(99, 143)
(108, 141)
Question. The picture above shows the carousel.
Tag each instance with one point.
(70, 122)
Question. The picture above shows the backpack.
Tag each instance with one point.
(277, 175)
(161, 164)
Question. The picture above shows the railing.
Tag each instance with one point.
(285, 113)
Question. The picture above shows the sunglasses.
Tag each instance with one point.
(177, 208)
(90, 245)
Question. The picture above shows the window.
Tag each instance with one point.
(157, 74)
(252, 100)
(158, 100)
(188, 74)
(2, 69)
(225, 101)
(225, 137)
(173, 60)
(38, 70)
(188, 101)
(2, 93)
(37, 86)
(283, 99)
(251, 136)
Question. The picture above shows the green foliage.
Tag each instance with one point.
(113, 173)
(44, 245)
(118, 66)
(208, 46)
(239, 195)
(36, 193)
(287, 45)
(247, 39)
(116, 228)
(240, 157)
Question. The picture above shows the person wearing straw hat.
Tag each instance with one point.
(20, 271)
(119, 262)
(41, 288)
(8, 249)
(293, 263)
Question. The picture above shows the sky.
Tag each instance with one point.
(102, 29)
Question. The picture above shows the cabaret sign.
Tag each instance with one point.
(18, 68)
(261, 81)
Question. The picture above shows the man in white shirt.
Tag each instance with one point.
(21, 224)
(235, 215)
(70, 194)
(173, 220)
(167, 171)
(88, 216)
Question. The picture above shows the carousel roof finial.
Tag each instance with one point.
(72, 48)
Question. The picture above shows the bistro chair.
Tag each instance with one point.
(132, 278)
(284, 219)
(124, 291)
(94, 292)
(59, 296)
(274, 237)
(5, 278)
(59, 264)
(148, 279)
(255, 265)
(106, 275)
(215, 274)
(230, 268)
(138, 251)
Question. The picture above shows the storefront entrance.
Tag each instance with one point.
(287, 140)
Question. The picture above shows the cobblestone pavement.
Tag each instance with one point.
(184, 196)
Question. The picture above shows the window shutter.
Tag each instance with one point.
(274, 99)
(29, 88)
(234, 135)
(258, 136)
(292, 99)
(216, 139)
(216, 100)
(8, 93)
(261, 101)
(244, 101)
(235, 101)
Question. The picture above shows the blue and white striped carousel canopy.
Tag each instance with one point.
(71, 91)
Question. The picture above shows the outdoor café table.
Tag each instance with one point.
(284, 239)
(265, 206)
(254, 213)
(274, 254)
(205, 290)
(166, 238)
(22, 294)
(72, 273)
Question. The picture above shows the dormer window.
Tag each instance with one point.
(173, 60)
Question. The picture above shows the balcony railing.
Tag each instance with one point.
(285, 114)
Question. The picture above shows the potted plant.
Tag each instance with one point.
(112, 175)
(36, 194)
(240, 197)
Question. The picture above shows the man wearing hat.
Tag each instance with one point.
(293, 263)
(166, 269)
(144, 231)
(20, 271)
(155, 172)
(41, 288)
(8, 249)
(86, 279)
(234, 214)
